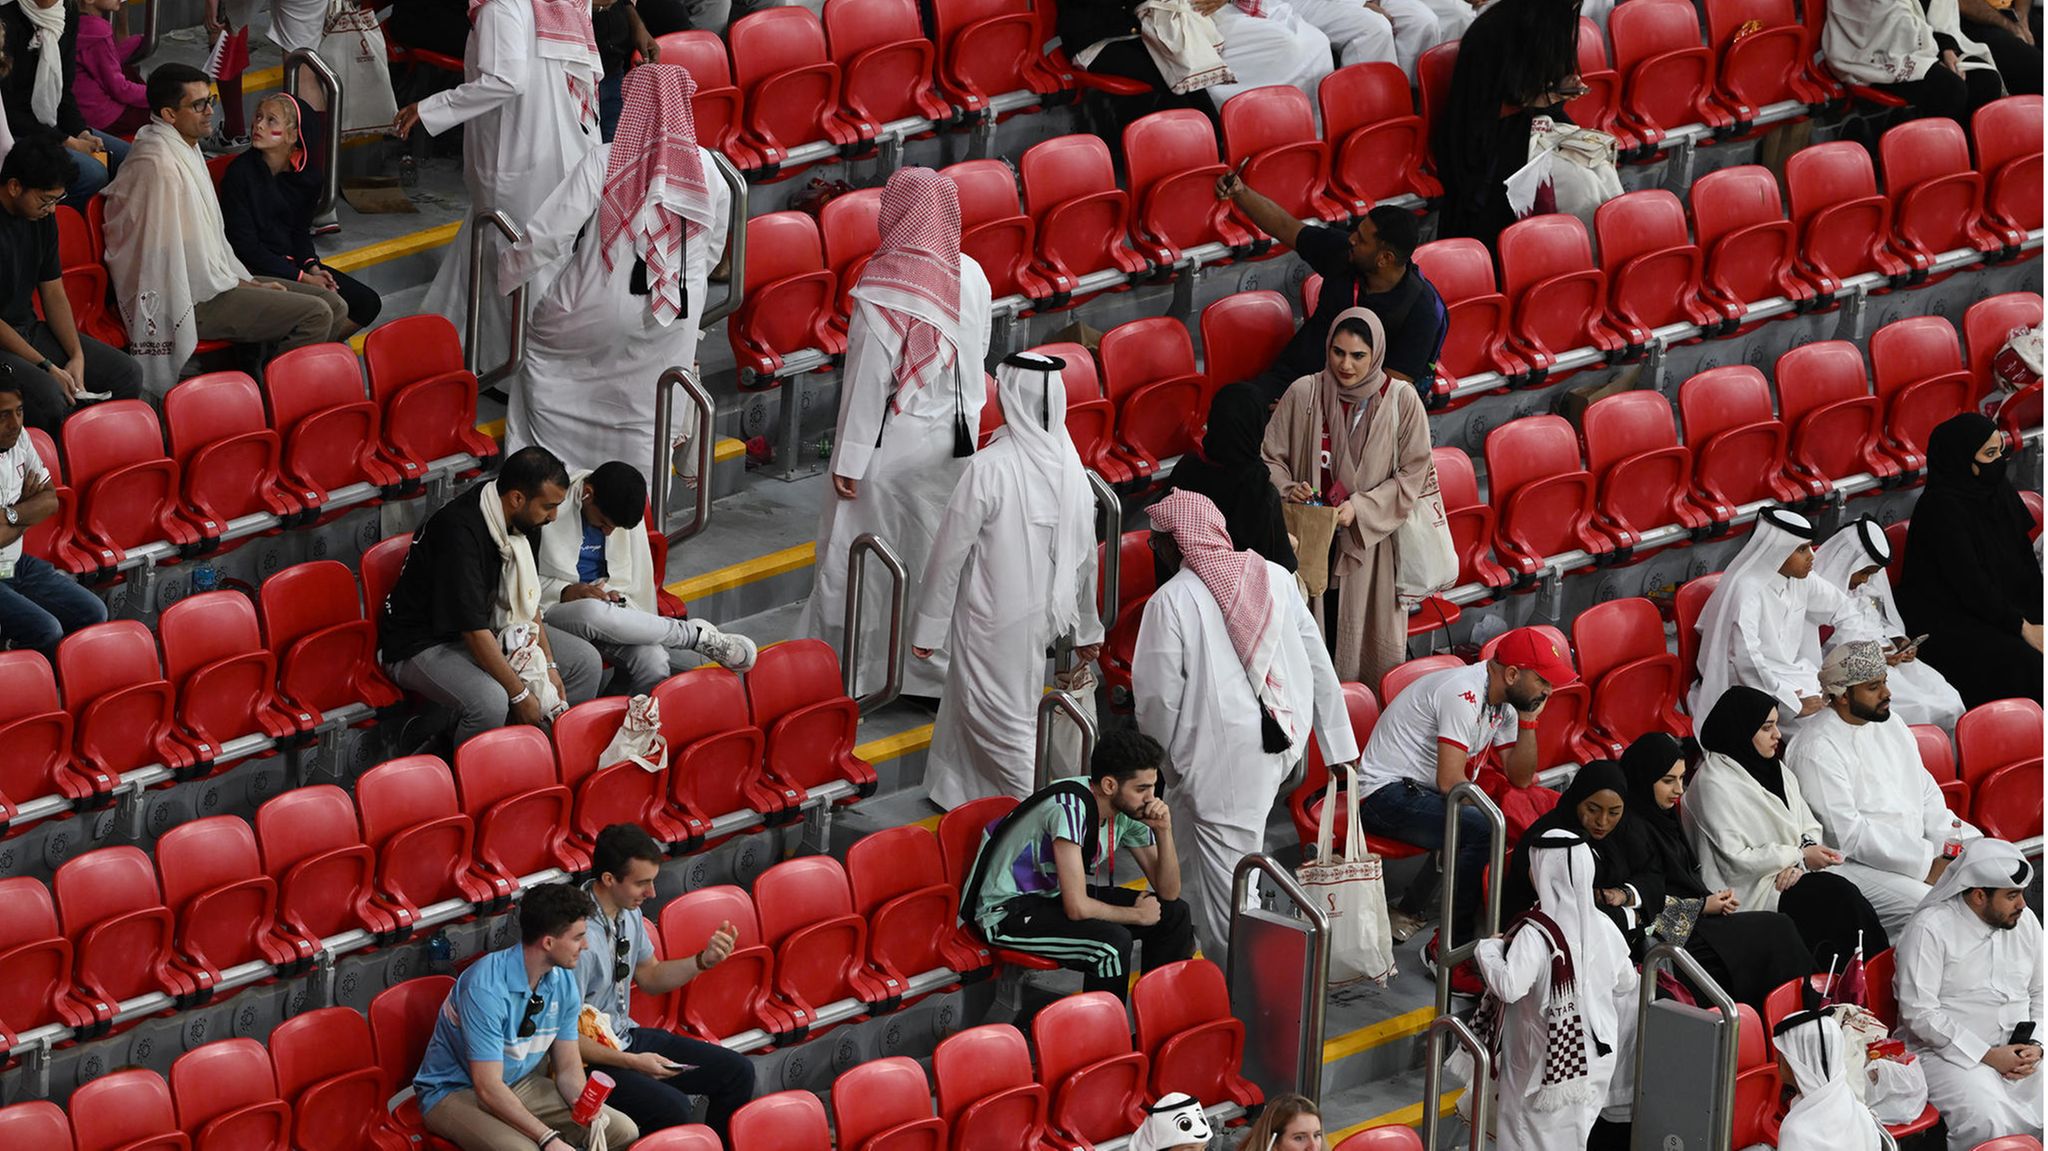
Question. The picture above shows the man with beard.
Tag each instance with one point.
(1859, 769)
(1969, 974)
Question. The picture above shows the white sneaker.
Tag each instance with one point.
(736, 652)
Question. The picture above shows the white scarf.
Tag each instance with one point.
(1826, 1116)
(47, 26)
(1892, 41)
(628, 558)
(519, 580)
(1184, 45)
(1744, 819)
(166, 250)
(1054, 485)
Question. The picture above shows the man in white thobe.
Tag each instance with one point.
(1826, 1115)
(1859, 769)
(910, 402)
(1012, 570)
(1969, 971)
(1365, 31)
(529, 99)
(1853, 561)
(618, 257)
(1267, 42)
(1231, 676)
(1761, 625)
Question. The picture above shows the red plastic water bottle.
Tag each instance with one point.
(1954, 846)
(596, 1089)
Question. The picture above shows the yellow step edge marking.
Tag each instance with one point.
(1409, 1116)
(413, 243)
(494, 429)
(740, 574)
(1385, 1031)
(727, 449)
(892, 746)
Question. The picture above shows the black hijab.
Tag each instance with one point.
(1230, 471)
(1731, 729)
(1610, 868)
(1984, 495)
(1652, 836)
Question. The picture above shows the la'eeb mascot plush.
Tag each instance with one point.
(1175, 1123)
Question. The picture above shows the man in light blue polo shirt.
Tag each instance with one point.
(502, 1067)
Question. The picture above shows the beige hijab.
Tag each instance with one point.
(1347, 438)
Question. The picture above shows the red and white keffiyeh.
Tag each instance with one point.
(1238, 579)
(914, 276)
(656, 191)
(563, 32)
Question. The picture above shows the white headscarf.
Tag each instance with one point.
(1855, 547)
(1054, 484)
(1174, 1121)
(1778, 533)
(46, 26)
(1827, 1115)
(1983, 863)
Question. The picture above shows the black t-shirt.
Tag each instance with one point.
(449, 582)
(28, 257)
(1409, 311)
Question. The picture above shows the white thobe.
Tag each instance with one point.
(1775, 647)
(1277, 48)
(1519, 975)
(1877, 806)
(1962, 985)
(1194, 698)
(987, 584)
(906, 468)
(593, 349)
(1744, 836)
(525, 133)
(1919, 693)
(1453, 17)
(1362, 36)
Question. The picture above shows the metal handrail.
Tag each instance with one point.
(472, 351)
(664, 433)
(1447, 956)
(1725, 1036)
(736, 242)
(1309, 1058)
(1432, 1079)
(1041, 770)
(330, 177)
(149, 33)
(1112, 511)
(866, 545)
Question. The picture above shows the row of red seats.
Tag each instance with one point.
(1995, 782)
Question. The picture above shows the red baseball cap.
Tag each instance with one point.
(1527, 649)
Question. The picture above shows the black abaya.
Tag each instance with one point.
(1229, 471)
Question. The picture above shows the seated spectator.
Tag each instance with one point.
(1428, 741)
(2007, 29)
(54, 366)
(619, 32)
(109, 100)
(1286, 1123)
(39, 605)
(656, 1071)
(597, 581)
(1518, 61)
(1227, 468)
(175, 277)
(1388, 31)
(1101, 36)
(1826, 1114)
(267, 197)
(1267, 42)
(1972, 582)
(1369, 269)
(1029, 887)
(1761, 625)
(1853, 561)
(1860, 769)
(1969, 970)
(38, 94)
(1894, 46)
(502, 1067)
(1750, 824)
(468, 592)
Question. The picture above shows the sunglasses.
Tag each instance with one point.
(530, 1022)
(620, 968)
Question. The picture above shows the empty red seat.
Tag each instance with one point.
(1917, 365)
(326, 650)
(790, 295)
(425, 392)
(1764, 55)
(1836, 424)
(734, 997)
(989, 48)
(1096, 1081)
(330, 427)
(1383, 1139)
(1433, 89)
(1668, 74)
(994, 229)
(1987, 326)
(226, 1098)
(1844, 221)
(1269, 138)
(1636, 683)
(885, 62)
(791, 90)
(1081, 215)
(1547, 272)
(1136, 580)
(126, 1110)
(987, 1092)
(128, 489)
(1749, 246)
(325, 875)
(224, 905)
(608, 793)
(1653, 267)
(1476, 329)
(226, 679)
(36, 731)
(1542, 496)
(1644, 474)
(37, 1123)
(1186, 1029)
(716, 106)
(886, 1105)
(1938, 756)
(1738, 445)
(1687, 606)
(784, 1121)
(810, 722)
(1242, 334)
(226, 451)
(1996, 735)
(86, 279)
(327, 1070)
(1937, 196)
(714, 752)
(423, 842)
(821, 946)
(2008, 137)
(123, 940)
(2008, 802)
(1600, 107)
(688, 1137)
(1471, 519)
(36, 987)
(1172, 163)
(1149, 373)
(912, 911)
(850, 228)
(125, 708)
(506, 783)
(402, 1019)
(1376, 137)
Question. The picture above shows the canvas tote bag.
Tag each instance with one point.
(638, 740)
(1351, 889)
(1425, 559)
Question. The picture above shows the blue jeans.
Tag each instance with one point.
(1414, 813)
(42, 605)
(93, 175)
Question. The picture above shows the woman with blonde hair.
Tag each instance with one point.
(1289, 1122)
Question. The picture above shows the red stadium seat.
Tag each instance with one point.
(885, 63)
(1305, 802)
(425, 393)
(1547, 272)
(886, 1105)
(790, 88)
(126, 1110)
(36, 731)
(821, 945)
(402, 1019)
(1688, 606)
(1637, 685)
(1471, 519)
(381, 564)
(1844, 221)
(1376, 138)
(1561, 739)
(331, 429)
(1096, 1081)
(1269, 138)
(987, 1093)
(125, 709)
(961, 831)
(1938, 197)
(1752, 1049)
(1989, 324)
(1542, 496)
(1383, 1139)
(784, 1121)
(790, 295)
(2010, 1143)
(714, 753)
(913, 922)
(994, 229)
(425, 845)
(989, 48)
(226, 1098)
(1186, 1029)
(226, 451)
(1764, 55)
(2008, 802)
(225, 678)
(327, 1070)
(1476, 338)
(2008, 137)
(36, 988)
(850, 226)
(1148, 370)
(1998, 734)
(1137, 579)
(1668, 74)
(1878, 994)
(717, 106)
(1652, 266)
(1644, 473)
(688, 1137)
(1757, 1092)
(1750, 248)
(1917, 365)
(128, 489)
(1432, 89)
(55, 540)
(735, 996)
(38, 1123)
(224, 905)
(1600, 107)
(1836, 424)
(795, 698)
(1172, 163)
(1823, 77)
(608, 793)
(86, 279)
(1082, 217)
(324, 873)
(1242, 335)
(1738, 444)
(507, 785)
(1091, 419)
(326, 650)
(123, 939)
(1938, 756)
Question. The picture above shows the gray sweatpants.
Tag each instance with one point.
(447, 675)
(636, 643)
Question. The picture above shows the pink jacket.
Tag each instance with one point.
(103, 91)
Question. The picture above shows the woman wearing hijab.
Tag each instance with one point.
(1755, 835)
(1228, 470)
(910, 401)
(1589, 808)
(1374, 436)
(1971, 582)
(1854, 560)
(1826, 1115)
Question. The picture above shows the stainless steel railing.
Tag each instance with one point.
(736, 244)
(1448, 957)
(330, 174)
(1059, 701)
(472, 346)
(1111, 578)
(662, 470)
(149, 32)
(1432, 1079)
(870, 544)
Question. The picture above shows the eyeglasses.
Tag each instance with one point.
(530, 1022)
(202, 104)
(46, 201)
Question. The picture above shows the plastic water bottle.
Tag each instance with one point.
(1954, 846)
(440, 954)
(408, 172)
(204, 578)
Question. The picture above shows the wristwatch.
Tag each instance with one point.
(13, 517)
